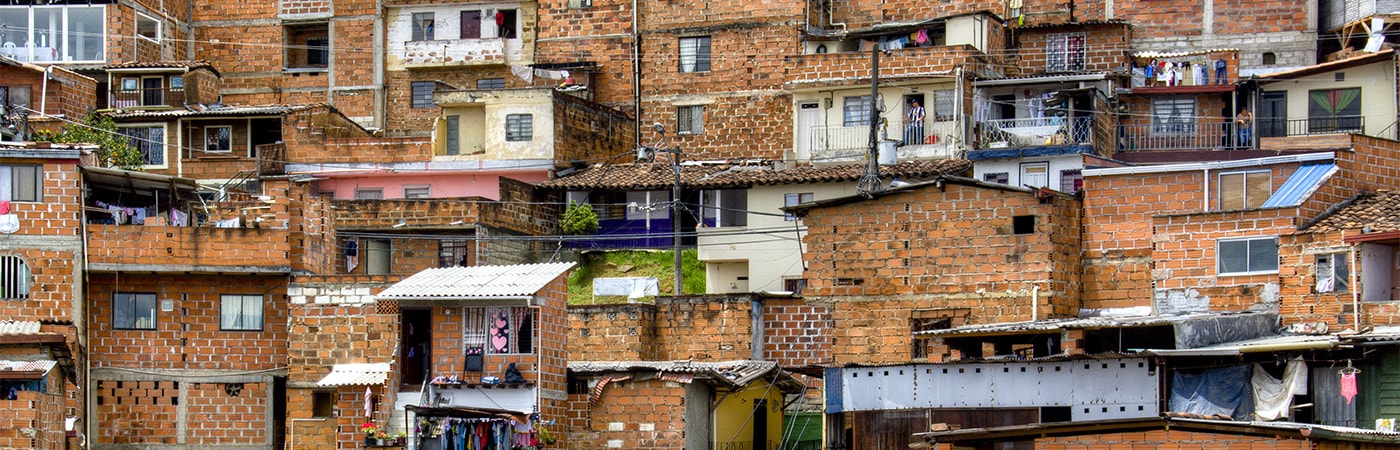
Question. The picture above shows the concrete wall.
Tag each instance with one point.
(1376, 81)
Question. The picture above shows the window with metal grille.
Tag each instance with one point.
(855, 111)
(690, 119)
(318, 51)
(454, 252)
(241, 312)
(24, 183)
(369, 193)
(134, 311)
(150, 141)
(14, 278)
(422, 191)
(308, 45)
(695, 54)
(491, 83)
(580, 4)
(520, 127)
(423, 93)
(1064, 52)
(1174, 115)
(453, 141)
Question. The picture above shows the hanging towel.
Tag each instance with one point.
(1349, 386)
(9, 223)
(523, 72)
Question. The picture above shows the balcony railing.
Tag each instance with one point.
(1278, 126)
(1185, 136)
(172, 97)
(454, 52)
(836, 144)
(1006, 133)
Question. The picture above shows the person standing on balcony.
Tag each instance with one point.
(914, 123)
(1244, 121)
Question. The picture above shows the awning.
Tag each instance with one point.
(356, 375)
(1269, 344)
(1301, 184)
(25, 370)
(519, 282)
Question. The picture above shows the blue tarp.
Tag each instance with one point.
(1223, 390)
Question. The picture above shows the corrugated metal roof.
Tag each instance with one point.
(14, 327)
(734, 373)
(1160, 54)
(1302, 183)
(477, 282)
(220, 111)
(1261, 344)
(1049, 325)
(356, 374)
(27, 366)
(644, 176)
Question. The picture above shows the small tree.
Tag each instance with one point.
(579, 218)
(113, 149)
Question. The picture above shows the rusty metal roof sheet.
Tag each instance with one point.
(356, 374)
(659, 175)
(476, 282)
(17, 327)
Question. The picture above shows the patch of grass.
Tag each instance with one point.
(634, 263)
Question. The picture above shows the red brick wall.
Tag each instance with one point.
(1105, 47)
(857, 14)
(204, 245)
(1185, 254)
(1173, 439)
(590, 132)
(874, 263)
(607, 26)
(631, 404)
(613, 333)
(48, 243)
(1298, 303)
(41, 412)
(702, 328)
(796, 333)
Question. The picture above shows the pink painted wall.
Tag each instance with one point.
(459, 184)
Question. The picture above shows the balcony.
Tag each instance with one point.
(1035, 132)
(149, 98)
(454, 53)
(1225, 135)
(938, 139)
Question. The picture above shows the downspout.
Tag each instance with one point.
(1355, 290)
(44, 93)
(380, 107)
(1205, 194)
(179, 148)
(90, 397)
(636, 76)
(1035, 303)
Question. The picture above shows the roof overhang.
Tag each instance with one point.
(1282, 430)
(361, 374)
(1044, 79)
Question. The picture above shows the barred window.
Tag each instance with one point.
(1064, 52)
(519, 127)
(855, 111)
(423, 94)
(14, 278)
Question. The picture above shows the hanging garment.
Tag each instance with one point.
(1349, 386)
(179, 218)
(1273, 399)
(921, 37)
(523, 72)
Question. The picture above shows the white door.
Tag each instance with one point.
(809, 116)
(1035, 175)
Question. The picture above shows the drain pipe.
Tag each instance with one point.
(44, 94)
(1355, 290)
(1035, 303)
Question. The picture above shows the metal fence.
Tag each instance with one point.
(1034, 132)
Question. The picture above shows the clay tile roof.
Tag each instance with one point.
(658, 175)
(188, 64)
(1380, 211)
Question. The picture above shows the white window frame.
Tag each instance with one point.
(145, 18)
(208, 147)
(234, 312)
(61, 52)
(695, 54)
(1244, 184)
(134, 300)
(1061, 54)
(10, 183)
(690, 119)
(14, 278)
(138, 141)
(1326, 278)
(1250, 268)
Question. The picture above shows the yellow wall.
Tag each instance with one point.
(732, 423)
(1377, 92)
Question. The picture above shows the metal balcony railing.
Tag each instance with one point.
(1279, 126)
(135, 98)
(842, 143)
(1004, 133)
(1181, 136)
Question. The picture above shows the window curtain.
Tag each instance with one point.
(6, 184)
(474, 328)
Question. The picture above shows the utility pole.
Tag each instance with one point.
(663, 146)
(870, 182)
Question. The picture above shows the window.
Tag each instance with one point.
(519, 127)
(423, 93)
(998, 178)
(24, 182)
(152, 91)
(794, 285)
(453, 142)
(942, 105)
(1269, 58)
(150, 141)
(499, 330)
(1071, 181)
(1331, 273)
(1334, 110)
(177, 82)
(1022, 224)
(369, 193)
(795, 199)
(690, 119)
(1173, 115)
(218, 139)
(695, 54)
(491, 83)
(308, 46)
(855, 111)
(1246, 256)
(133, 311)
(12, 96)
(505, 22)
(322, 404)
(422, 26)
(455, 252)
(1064, 52)
(379, 256)
(726, 207)
(1244, 190)
(147, 27)
(649, 205)
(54, 33)
(421, 191)
(241, 312)
(580, 4)
(14, 278)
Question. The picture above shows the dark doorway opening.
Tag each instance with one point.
(415, 346)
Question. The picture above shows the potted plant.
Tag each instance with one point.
(401, 438)
(369, 429)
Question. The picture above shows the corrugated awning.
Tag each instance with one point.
(1302, 183)
(520, 281)
(356, 375)
(25, 369)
